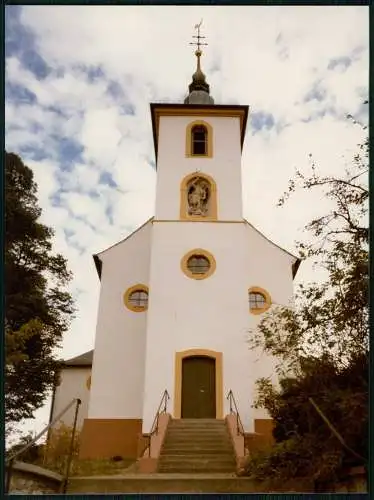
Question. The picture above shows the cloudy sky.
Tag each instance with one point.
(79, 80)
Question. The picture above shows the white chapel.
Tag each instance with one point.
(180, 295)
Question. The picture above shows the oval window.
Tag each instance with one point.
(198, 264)
(136, 298)
(259, 300)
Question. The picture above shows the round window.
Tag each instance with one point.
(259, 300)
(136, 298)
(198, 264)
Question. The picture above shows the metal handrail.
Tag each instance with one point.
(234, 411)
(162, 407)
(11, 460)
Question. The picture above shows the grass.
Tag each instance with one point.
(100, 467)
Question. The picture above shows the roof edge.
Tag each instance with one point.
(126, 237)
(96, 256)
(295, 265)
(98, 265)
(80, 361)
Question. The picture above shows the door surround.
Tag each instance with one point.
(179, 356)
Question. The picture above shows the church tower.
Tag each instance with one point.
(180, 295)
(198, 310)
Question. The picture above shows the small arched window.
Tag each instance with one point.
(199, 137)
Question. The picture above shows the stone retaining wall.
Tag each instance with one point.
(31, 479)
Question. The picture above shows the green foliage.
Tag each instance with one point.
(57, 452)
(321, 344)
(58, 448)
(37, 306)
(32, 455)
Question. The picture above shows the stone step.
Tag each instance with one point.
(192, 421)
(170, 438)
(216, 424)
(195, 468)
(202, 431)
(197, 426)
(164, 483)
(203, 458)
(198, 444)
(186, 451)
(190, 434)
(180, 449)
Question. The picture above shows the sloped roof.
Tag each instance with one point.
(96, 256)
(84, 359)
(295, 265)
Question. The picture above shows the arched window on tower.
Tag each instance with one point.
(199, 138)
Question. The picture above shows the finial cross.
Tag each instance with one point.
(198, 36)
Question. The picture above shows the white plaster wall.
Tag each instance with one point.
(224, 166)
(73, 384)
(211, 313)
(270, 268)
(118, 362)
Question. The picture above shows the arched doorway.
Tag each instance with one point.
(198, 374)
(198, 387)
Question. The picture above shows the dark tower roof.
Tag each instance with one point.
(199, 87)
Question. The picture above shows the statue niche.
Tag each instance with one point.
(198, 196)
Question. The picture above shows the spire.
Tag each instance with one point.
(198, 88)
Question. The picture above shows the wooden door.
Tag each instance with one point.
(198, 387)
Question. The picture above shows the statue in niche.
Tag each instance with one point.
(198, 194)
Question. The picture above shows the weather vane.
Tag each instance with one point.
(198, 36)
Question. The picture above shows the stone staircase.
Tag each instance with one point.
(197, 456)
(197, 446)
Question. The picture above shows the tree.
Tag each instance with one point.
(320, 408)
(38, 308)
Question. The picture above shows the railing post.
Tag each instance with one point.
(9, 476)
(230, 400)
(70, 456)
(165, 401)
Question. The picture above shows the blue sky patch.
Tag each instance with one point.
(106, 178)
(152, 163)
(262, 120)
(320, 114)
(58, 111)
(19, 94)
(316, 93)
(33, 152)
(116, 92)
(20, 43)
(126, 109)
(93, 72)
(114, 89)
(343, 62)
(69, 152)
(109, 213)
